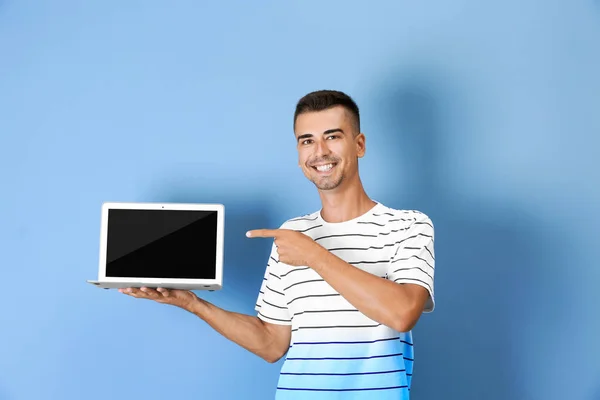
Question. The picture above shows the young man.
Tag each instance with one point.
(344, 286)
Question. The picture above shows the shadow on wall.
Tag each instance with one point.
(244, 259)
(486, 257)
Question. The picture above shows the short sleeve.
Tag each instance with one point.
(414, 259)
(271, 305)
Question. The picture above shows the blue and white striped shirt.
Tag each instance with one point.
(336, 351)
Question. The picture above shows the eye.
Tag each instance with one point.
(332, 137)
(307, 141)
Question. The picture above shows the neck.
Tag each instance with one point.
(344, 204)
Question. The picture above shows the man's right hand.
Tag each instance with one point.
(180, 298)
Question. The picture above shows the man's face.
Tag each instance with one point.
(328, 147)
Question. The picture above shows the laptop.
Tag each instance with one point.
(168, 245)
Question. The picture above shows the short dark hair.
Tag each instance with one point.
(321, 100)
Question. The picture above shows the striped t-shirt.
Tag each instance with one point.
(336, 352)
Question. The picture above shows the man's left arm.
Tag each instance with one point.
(398, 301)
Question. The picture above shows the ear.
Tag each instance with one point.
(360, 142)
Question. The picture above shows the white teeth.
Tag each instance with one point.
(324, 168)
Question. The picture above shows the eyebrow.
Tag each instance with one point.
(327, 132)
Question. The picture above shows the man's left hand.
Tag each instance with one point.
(294, 248)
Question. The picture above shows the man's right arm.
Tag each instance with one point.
(268, 341)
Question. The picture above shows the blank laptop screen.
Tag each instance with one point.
(171, 244)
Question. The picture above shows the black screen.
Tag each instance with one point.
(172, 244)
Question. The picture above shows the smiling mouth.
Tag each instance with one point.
(324, 167)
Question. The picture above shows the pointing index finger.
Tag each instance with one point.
(262, 233)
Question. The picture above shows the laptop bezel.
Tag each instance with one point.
(219, 208)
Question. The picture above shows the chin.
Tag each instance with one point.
(327, 185)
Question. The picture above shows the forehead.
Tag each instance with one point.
(320, 121)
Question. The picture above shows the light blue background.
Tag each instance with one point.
(485, 115)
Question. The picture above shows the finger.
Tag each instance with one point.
(149, 292)
(163, 292)
(140, 293)
(262, 233)
(134, 292)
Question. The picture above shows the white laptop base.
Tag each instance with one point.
(140, 283)
(144, 237)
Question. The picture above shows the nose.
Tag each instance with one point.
(321, 148)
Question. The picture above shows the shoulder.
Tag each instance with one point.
(409, 219)
(302, 222)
